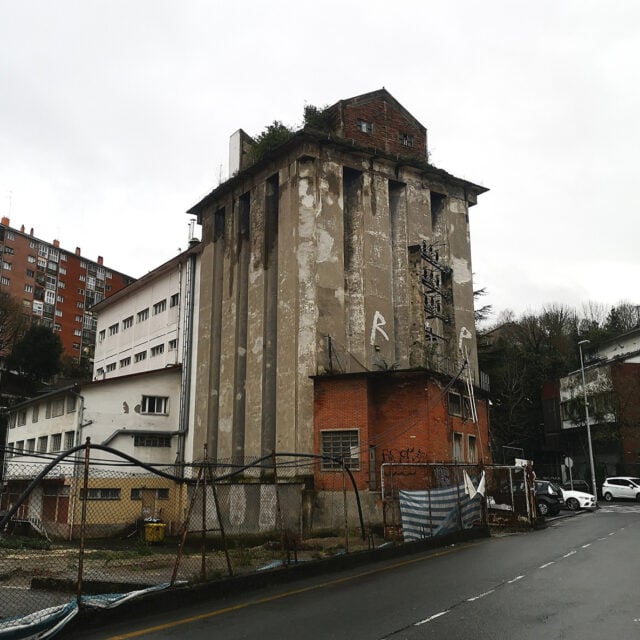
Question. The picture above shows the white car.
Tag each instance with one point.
(574, 500)
(621, 487)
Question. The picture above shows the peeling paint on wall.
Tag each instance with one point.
(461, 272)
(325, 247)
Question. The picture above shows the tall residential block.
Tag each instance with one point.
(56, 287)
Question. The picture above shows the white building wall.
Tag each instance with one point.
(135, 349)
(110, 413)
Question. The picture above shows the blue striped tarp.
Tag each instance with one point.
(435, 512)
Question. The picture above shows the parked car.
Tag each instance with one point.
(621, 487)
(548, 498)
(574, 500)
(578, 485)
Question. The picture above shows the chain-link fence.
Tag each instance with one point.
(422, 500)
(92, 523)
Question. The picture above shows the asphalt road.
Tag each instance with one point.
(578, 578)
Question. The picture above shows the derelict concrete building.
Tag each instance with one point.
(341, 252)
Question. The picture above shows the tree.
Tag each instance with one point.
(37, 354)
(11, 322)
(624, 317)
(486, 310)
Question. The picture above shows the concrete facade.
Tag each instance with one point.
(313, 266)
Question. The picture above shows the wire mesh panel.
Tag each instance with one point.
(93, 525)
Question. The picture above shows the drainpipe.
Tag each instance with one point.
(187, 351)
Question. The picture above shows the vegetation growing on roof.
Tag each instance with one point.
(271, 137)
(318, 117)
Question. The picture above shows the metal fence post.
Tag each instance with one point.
(83, 519)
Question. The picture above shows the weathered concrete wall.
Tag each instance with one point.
(339, 265)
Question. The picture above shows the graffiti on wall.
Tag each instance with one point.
(410, 454)
(376, 327)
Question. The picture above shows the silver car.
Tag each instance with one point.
(621, 487)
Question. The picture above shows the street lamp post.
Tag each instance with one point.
(586, 416)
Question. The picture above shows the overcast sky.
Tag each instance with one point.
(115, 118)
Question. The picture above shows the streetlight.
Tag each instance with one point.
(586, 415)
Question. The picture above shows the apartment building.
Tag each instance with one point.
(612, 390)
(56, 287)
(139, 406)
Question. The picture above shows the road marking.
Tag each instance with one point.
(515, 579)
(601, 538)
(430, 618)
(482, 595)
(544, 566)
(584, 546)
(286, 594)
(566, 555)
(613, 533)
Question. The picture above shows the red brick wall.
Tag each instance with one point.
(626, 383)
(388, 122)
(404, 416)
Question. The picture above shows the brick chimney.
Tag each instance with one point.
(21, 228)
(77, 251)
(5, 221)
(56, 244)
(100, 260)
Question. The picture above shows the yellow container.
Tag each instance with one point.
(153, 532)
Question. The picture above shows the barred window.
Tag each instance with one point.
(340, 444)
(69, 438)
(56, 442)
(151, 441)
(101, 494)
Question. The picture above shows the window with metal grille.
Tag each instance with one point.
(69, 438)
(101, 494)
(56, 442)
(342, 444)
(151, 441)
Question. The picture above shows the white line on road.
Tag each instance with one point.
(482, 595)
(515, 579)
(544, 566)
(584, 546)
(566, 555)
(601, 538)
(613, 533)
(430, 618)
